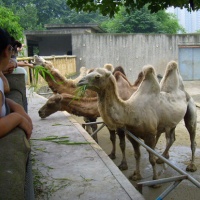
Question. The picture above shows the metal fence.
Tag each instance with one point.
(176, 179)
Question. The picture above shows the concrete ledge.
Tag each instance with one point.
(14, 150)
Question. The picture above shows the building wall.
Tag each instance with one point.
(132, 51)
(55, 45)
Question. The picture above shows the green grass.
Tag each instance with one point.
(80, 91)
(40, 70)
(60, 140)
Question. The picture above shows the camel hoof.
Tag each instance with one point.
(112, 156)
(159, 161)
(135, 177)
(191, 168)
(123, 166)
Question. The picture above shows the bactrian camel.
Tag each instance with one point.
(147, 113)
(86, 107)
(61, 84)
(190, 117)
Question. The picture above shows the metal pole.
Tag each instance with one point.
(195, 182)
(95, 132)
(168, 190)
(90, 123)
(160, 181)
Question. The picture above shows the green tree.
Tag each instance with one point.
(36, 13)
(73, 17)
(168, 23)
(10, 22)
(110, 7)
(142, 21)
(28, 17)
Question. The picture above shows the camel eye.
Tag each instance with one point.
(97, 77)
(51, 103)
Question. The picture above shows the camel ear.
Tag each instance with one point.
(108, 74)
(58, 98)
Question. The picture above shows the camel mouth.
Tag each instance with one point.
(38, 60)
(82, 82)
(42, 117)
(41, 114)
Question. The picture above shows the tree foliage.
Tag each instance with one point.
(34, 14)
(28, 21)
(110, 7)
(142, 21)
(10, 22)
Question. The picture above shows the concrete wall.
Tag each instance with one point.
(15, 175)
(132, 51)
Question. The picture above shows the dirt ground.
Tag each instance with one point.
(180, 154)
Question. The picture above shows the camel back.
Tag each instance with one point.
(150, 83)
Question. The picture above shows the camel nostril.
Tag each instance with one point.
(40, 114)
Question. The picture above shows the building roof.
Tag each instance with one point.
(94, 27)
(62, 29)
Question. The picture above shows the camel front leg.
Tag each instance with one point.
(91, 128)
(112, 155)
(151, 142)
(190, 120)
(122, 144)
(136, 174)
(170, 138)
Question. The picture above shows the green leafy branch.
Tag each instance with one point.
(40, 70)
(43, 71)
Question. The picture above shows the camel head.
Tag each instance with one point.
(96, 80)
(52, 105)
(38, 60)
(41, 61)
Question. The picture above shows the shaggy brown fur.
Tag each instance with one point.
(84, 107)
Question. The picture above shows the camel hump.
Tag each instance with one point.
(109, 67)
(148, 70)
(150, 83)
(139, 79)
(120, 69)
(118, 74)
(171, 66)
(171, 79)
